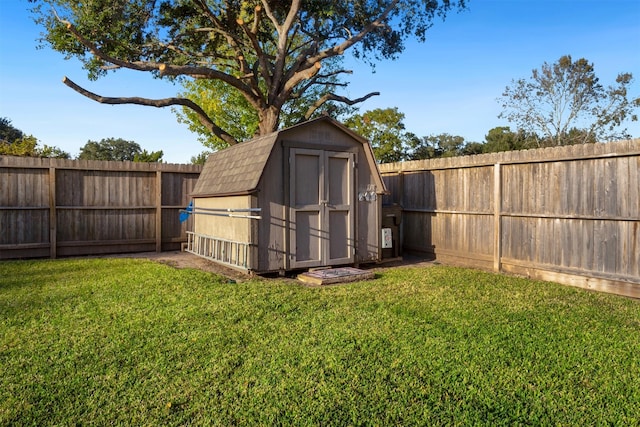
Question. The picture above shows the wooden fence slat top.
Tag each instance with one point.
(37, 162)
(619, 148)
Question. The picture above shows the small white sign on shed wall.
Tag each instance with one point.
(387, 238)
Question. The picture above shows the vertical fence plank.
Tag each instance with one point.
(497, 216)
(158, 190)
(53, 219)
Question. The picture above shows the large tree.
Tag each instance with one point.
(13, 142)
(268, 51)
(117, 149)
(564, 103)
(433, 146)
(226, 106)
(384, 128)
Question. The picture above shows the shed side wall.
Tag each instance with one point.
(367, 215)
(272, 249)
(223, 227)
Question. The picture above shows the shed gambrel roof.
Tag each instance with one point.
(237, 170)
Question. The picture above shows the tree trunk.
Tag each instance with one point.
(269, 120)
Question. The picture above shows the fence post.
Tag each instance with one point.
(401, 187)
(53, 221)
(497, 220)
(158, 211)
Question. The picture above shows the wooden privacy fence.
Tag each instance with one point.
(56, 207)
(567, 214)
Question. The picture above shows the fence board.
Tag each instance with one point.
(562, 212)
(95, 207)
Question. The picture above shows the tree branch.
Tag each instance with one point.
(95, 50)
(317, 80)
(281, 55)
(306, 60)
(337, 98)
(342, 47)
(302, 75)
(234, 43)
(169, 70)
(203, 73)
(159, 103)
(251, 35)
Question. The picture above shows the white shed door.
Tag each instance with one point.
(321, 198)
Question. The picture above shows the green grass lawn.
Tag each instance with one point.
(131, 342)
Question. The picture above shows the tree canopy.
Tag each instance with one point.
(200, 158)
(14, 142)
(564, 103)
(117, 149)
(433, 146)
(391, 142)
(268, 51)
(230, 110)
(8, 132)
(501, 138)
(384, 129)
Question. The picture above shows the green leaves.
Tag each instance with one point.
(275, 59)
(225, 105)
(13, 142)
(565, 104)
(385, 130)
(117, 149)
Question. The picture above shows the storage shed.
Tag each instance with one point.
(302, 197)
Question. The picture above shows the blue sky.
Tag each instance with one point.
(447, 85)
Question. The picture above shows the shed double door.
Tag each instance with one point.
(321, 200)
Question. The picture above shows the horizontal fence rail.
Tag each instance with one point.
(56, 207)
(566, 214)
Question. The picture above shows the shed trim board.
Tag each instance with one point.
(306, 180)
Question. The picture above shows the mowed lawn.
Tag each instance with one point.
(132, 342)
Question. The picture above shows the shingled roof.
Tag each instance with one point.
(237, 170)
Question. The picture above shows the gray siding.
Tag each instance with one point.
(272, 189)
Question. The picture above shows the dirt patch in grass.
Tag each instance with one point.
(180, 259)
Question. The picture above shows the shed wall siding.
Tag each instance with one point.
(320, 133)
(272, 226)
(236, 229)
(368, 223)
(368, 211)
